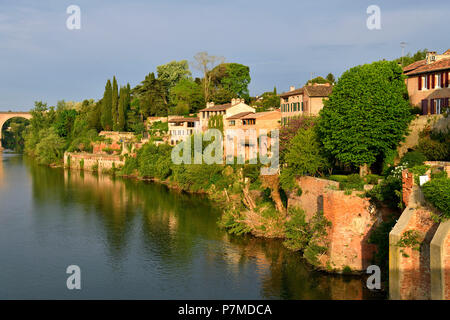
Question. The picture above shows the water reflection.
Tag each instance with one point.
(147, 231)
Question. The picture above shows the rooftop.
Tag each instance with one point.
(220, 107)
(238, 115)
(317, 90)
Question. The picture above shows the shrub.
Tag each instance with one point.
(305, 235)
(432, 149)
(413, 158)
(372, 179)
(437, 192)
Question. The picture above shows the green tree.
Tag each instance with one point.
(106, 116)
(319, 80)
(304, 156)
(367, 114)
(187, 96)
(408, 59)
(232, 78)
(171, 73)
(330, 78)
(50, 148)
(122, 109)
(64, 119)
(152, 95)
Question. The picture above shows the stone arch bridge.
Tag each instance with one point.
(5, 116)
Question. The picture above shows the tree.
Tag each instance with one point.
(50, 147)
(204, 62)
(115, 104)
(64, 119)
(152, 95)
(330, 78)
(319, 80)
(408, 59)
(171, 73)
(367, 114)
(106, 117)
(187, 96)
(122, 109)
(232, 78)
(304, 154)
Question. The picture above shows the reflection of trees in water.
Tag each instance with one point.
(286, 275)
(172, 227)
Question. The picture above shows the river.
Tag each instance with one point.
(137, 240)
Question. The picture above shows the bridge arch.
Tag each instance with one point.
(5, 116)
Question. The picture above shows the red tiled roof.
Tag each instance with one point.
(220, 107)
(443, 64)
(181, 119)
(414, 65)
(238, 115)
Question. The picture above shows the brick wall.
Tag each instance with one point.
(352, 218)
(311, 199)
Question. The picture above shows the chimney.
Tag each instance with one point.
(291, 88)
(210, 104)
(233, 101)
(431, 57)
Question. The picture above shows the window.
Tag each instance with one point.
(425, 82)
(302, 105)
(439, 81)
(232, 122)
(438, 106)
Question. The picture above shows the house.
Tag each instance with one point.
(225, 110)
(180, 128)
(428, 82)
(251, 123)
(304, 101)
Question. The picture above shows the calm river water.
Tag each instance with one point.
(136, 240)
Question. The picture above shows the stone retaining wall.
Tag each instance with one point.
(92, 162)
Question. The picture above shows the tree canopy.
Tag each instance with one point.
(366, 115)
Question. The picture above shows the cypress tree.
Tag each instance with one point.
(115, 103)
(121, 109)
(106, 117)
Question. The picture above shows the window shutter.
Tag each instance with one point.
(428, 81)
(433, 81)
(419, 80)
(424, 107)
(432, 110)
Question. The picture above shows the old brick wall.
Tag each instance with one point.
(311, 199)
(353, 218)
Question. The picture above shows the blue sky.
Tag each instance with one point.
(281, 41)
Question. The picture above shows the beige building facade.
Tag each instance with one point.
(428, 83)
(306, 101)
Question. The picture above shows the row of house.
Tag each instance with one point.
(427, 82)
